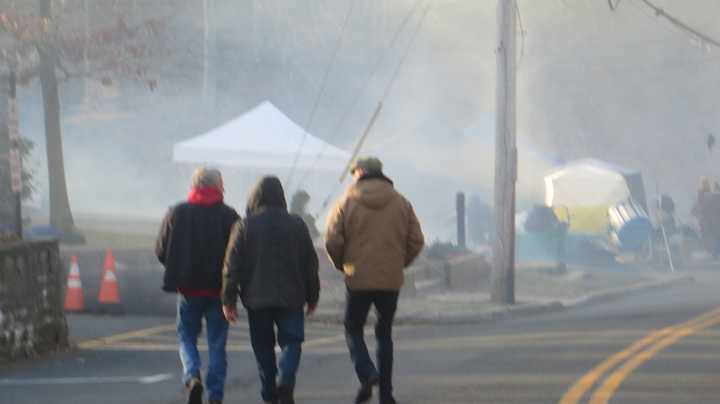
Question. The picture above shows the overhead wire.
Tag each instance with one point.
(523, 32)
(642, 10)
(677, 23)
(390, 84)
(409, 47)
(398, 68)
(700, 35)
(417, 29)
(378, 64)
(321, 92)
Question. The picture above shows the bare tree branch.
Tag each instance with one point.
(118, 45)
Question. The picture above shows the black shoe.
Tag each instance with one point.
(387, 400)
(195, 391)
(285, 395)
(365, 391)
(215, 402)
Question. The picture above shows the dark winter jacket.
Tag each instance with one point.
(271, 260)
(192, 244)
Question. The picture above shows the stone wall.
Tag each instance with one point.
(32, 284)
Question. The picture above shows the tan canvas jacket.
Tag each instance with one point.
(372, 235)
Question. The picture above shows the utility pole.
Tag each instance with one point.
(503, 271)
(460, 214)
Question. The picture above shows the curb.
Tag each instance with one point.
(519, 310)
(630, 290)
(492, 315)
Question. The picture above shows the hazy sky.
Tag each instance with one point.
(623, 86)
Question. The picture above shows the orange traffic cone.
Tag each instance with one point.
(109, 296)
(74, 295)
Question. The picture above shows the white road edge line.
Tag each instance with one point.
(156, 378)
(87, 380)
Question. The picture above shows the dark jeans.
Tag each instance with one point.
(190, 313)
(356, 311)
(290, 336)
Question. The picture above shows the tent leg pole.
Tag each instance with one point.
(667, 247)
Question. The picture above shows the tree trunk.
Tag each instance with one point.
(6, 211)
(60, 215)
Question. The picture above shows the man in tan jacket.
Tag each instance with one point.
(372, 236)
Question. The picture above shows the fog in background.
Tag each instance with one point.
(624, 86)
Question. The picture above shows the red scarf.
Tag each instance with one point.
(205, 196)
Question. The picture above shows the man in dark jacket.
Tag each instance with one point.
(191, 246)
(271, 263)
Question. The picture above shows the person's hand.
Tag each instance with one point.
(231, 313)
(311, 309)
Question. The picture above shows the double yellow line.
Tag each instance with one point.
(629, 359)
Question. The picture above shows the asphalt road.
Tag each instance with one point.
(617, 352)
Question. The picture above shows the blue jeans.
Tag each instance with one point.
(190, 313)
(290, 336)
(358, 305)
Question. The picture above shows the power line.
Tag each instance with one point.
(399, 67)
(378, 64)
(407, 51)
(389, 87)
(645, 12)
(387, 91)
(661, 13)
(523, 32)
(323, 85)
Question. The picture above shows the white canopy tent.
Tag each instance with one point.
(596, 197)
(262, 139)
(265, 141)
(589, 182)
